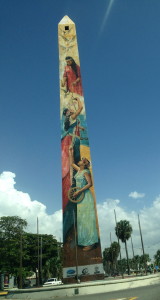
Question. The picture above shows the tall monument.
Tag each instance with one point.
(81, 239)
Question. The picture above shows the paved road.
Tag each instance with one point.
(151, 292)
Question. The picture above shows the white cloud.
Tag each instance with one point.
(17, 203)
(136, 195)
(150, 225)
(14, 202)
(106, 15)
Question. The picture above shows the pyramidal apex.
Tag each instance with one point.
(66, 20)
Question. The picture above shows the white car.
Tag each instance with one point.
(52, 281)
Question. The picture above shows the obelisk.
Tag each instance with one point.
(81, 239)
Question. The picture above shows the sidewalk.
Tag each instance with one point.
(84, 288)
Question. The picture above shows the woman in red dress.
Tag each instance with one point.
(72, 77)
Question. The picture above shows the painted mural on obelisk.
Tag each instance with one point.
(82, 250)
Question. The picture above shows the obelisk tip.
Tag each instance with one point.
(66, 20)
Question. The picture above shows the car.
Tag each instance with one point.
(52, 281)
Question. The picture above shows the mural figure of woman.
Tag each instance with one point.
(86, 215)
(71, 137)
(72, 77)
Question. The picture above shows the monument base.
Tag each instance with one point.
(83, 278)
(84, 273)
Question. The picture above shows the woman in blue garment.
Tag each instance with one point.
(86, 215)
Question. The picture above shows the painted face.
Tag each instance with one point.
(84, 161)
(68, 113)
(69, 62)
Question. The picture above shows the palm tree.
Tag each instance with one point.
(110, 256)
(107, 260)
(114, 249)
(136, 263)
(123, 231)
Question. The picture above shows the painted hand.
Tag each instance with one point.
(76, 194)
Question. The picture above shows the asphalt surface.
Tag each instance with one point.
(151, 292)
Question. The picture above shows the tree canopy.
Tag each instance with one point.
(123, 231)
(110, 256)
(16, 243)
(157, 257)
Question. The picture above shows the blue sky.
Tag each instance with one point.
(119, 46)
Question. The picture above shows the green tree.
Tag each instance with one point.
(11, 229)
(136, 262)
(122, 265)
(114, 249)
(12, 225)
(123, 231)
(144, 259)
(157, 258)
(50, 258)
(107, 260)
(110, 256)
(52, 268)
(11, 234)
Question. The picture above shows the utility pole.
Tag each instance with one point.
(110, 237)
(20, 277)
(111, 250)
(37, 253)
(118, 244)
(132, 246)
(41, 260)
(117, 236)
(141, 235)
(133, 265)
(142, 243)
